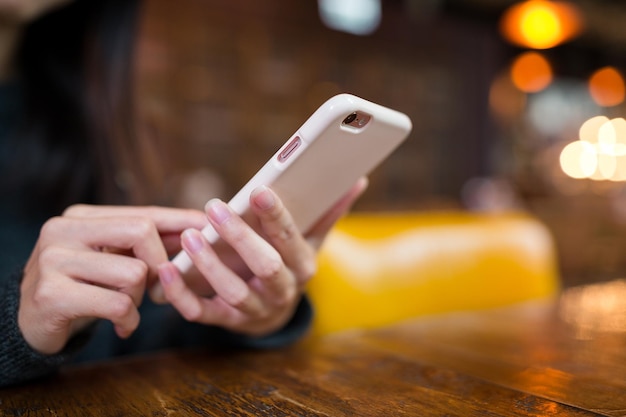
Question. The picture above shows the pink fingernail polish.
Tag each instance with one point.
(217, 211)
(264, 198)
(166, 275)
(192, 241)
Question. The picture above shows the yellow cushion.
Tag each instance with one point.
(375, 269)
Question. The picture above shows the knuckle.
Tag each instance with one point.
(192, 313)
(53, 226)
(76, 210)
(144, 227)
(240, 298)
(45, 293)
(285, 232)
(261, 318)
(271, 267)
(136, 273)
(121, 308)
(52, 256)
(286, 297)
(308, 269)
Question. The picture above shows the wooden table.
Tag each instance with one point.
(564, 357)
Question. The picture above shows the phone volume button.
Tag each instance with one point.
(289, 149)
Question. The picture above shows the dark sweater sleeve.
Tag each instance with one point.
(18, 361)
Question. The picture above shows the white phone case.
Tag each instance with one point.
(321, 161)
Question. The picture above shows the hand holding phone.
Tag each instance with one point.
(343, 140)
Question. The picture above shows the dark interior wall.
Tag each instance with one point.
(238, 78)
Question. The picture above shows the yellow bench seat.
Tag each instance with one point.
(379, 268)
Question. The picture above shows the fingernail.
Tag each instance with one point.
(165, 274)
(217, 211)
(264, 198)
(192, 241)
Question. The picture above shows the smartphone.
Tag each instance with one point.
(343, 140)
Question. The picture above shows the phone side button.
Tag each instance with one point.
(289, 149)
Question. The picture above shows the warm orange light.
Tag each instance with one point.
(541, 24)
(531, 72)
(606, 87)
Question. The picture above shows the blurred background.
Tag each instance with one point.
(516, 105)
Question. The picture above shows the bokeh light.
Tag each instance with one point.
(578, 159)
(559, 110)
(358, 17)
(606, 87)
(531, 72)
(600, 152)
(589, 130)
(541, 24)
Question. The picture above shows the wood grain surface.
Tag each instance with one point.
(564, 357)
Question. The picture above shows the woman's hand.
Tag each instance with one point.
(280, 263)
(95, 262)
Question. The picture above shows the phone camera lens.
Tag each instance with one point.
(349, 119)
